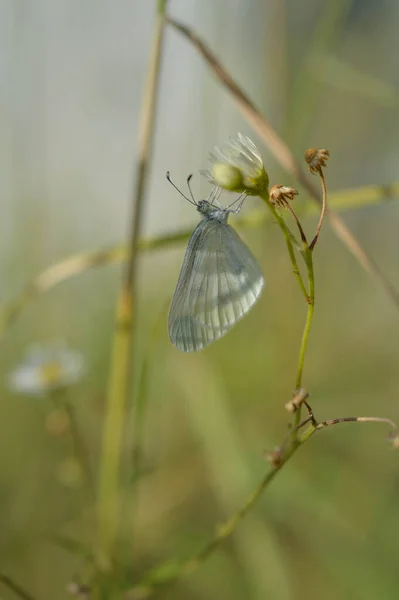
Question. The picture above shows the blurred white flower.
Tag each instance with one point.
(237, 166)
(45, 369)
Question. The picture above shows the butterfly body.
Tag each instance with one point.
(219, 282)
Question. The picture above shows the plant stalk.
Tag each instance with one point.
(119, 385)
(288, 241)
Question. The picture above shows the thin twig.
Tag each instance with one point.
(15, 587)
(160, 576)
(59, 398)
(323, 210)
(298, 223)
(284, 155)
(142, 393)
(330, 422)
(80, 451)
(121, 360)
(308, 324)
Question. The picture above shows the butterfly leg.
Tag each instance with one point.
(240, 199)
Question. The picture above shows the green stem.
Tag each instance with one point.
(309, 318)
(288, 240)
(138, 427)
(61, 401)
(81, 453)
(308, 294)
(122, 360)
(168, 574)
(15, 587)
(142, 395)
(308, 323)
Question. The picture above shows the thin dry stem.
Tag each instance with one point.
(330, 422)
(284, 155)
(280, 456)
(298, 223)
(60, 401)
(323, 209)
(81, 453)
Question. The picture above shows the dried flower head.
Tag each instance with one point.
(274, 457)
(280, 194)
(78, 590)
(298, 398)
(395, 441)
(237, 166)
(45, 369)
(316, 159)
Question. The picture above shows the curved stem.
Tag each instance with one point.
(297, 221)
(15, 587)
(159, 576)
(306, 331)
(169, 573)
(323, 209)
(308, 322)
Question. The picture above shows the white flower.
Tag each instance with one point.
(45, 369)
(238, 166)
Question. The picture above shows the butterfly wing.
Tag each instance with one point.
(219, 282)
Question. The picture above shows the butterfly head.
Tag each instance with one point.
(211, 212)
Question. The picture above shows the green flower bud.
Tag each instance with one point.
(237, 166)
(227, 177)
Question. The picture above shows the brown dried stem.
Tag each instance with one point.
(298, 223)
(284, 155)
(323, 209)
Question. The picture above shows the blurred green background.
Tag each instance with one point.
(326, 74)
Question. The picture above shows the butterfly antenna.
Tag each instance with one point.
(180, 192)
(189, 188)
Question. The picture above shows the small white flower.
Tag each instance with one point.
(238, 166)
(45, 369)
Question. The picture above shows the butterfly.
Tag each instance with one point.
(220, 279)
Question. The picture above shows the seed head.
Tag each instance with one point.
(280, 194)
(316, 159)
(395, 441)
(274, 457)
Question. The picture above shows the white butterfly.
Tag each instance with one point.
(219, 282)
